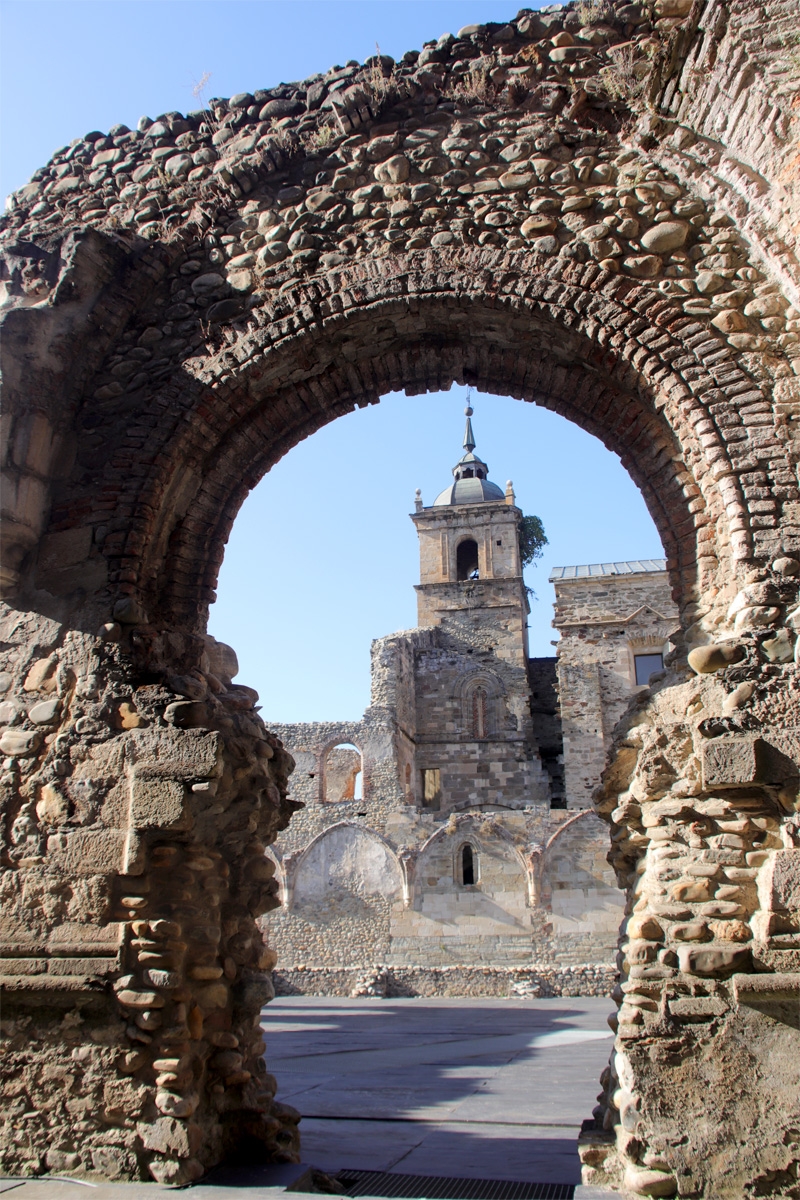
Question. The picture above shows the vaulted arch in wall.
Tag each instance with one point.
(350, 860)
(578, 886)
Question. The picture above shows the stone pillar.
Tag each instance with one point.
(137, 801)
(701, 1094)
(582, 724)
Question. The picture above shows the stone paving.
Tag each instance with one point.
(486, 1088)
(479, 1088)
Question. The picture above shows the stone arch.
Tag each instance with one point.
(339, 775)
(302, 855)
(617, 386)
(344, 885)
(467, 557)
(149, 383)
(280, 875)
(471, 828)
(448, 912)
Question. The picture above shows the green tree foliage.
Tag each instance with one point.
(532, 540)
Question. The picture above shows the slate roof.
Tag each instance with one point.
(637, 566)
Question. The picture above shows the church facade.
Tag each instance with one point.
(447, 843)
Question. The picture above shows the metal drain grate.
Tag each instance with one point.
(438, 1187)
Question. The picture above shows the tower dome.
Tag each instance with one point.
(470, 476)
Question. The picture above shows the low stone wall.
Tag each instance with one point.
(586, 979)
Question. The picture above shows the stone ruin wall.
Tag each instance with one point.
(371, 884)
(599, 217)
(603, 622)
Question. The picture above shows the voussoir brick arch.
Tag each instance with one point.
(600, 350)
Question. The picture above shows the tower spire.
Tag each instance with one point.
(471, 485)
(469, 436)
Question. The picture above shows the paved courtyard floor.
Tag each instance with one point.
(471, 1088)
(485, 1088)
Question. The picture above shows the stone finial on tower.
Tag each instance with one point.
(469, 436)
(510, 497)
(418, 500)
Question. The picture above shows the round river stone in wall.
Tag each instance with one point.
(670, 235)
(704, 660)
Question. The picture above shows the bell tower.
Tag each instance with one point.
(474, 739)
(470, 565)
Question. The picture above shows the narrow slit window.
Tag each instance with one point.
(479, 713)
(467, 866)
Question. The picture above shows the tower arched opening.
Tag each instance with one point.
(467, 559)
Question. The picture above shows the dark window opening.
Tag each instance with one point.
(646, 665)
(467, 560)
(467, 474)
(467, 866)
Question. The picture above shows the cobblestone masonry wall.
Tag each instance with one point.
(591, 208)
(534, 980)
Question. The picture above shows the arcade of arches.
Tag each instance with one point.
(592, 208)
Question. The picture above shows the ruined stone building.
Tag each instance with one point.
(593, 208)
(615, 621)
(451, 829)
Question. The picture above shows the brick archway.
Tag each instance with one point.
(501, 343)
(572, 209)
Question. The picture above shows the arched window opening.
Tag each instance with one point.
(479, 702)
(468, 865)
(467, 560)
(343, 774)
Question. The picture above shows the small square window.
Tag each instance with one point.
(646, 665)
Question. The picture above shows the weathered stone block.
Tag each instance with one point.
(173, 754)
(166, 1135)
(158, 803)
(697, 1008)
(730, 762)
(713, 960)
(87, 852)
(779, 882)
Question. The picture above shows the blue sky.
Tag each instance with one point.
(321, 560)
